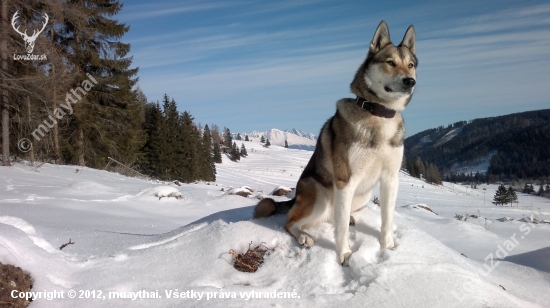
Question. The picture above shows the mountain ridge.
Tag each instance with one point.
(512, 146)
(296, 139)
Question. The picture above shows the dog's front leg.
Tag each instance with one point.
(342, 210)
(388, 195)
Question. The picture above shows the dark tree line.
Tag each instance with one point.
(428, 171)
(461, 177)
(525, 154)
(542, 191)
(518, 141)
(81, 41)
(81, 104)
(176, 148)
(230, 147)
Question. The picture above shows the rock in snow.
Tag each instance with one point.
(162, 191)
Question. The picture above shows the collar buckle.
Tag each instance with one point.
(374, 108)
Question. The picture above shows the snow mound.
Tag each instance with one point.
(161, 192)
(29, 230)
(244, 191)
(281, 191)
(532, 220)
(420, 206)
(86, 188)
(426, 272)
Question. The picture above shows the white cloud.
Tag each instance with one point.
(469, 66)
(160, 9)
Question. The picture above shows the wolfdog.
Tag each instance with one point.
(357, 147)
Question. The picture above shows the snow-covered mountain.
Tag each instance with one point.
(296, 139)
(300, 133)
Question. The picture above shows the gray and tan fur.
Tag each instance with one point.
(355, 150)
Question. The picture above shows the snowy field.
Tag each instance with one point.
(130, 241)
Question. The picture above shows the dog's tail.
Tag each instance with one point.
(268, 207)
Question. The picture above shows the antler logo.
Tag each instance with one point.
(29, 40)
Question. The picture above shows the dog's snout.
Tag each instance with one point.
(409, 82)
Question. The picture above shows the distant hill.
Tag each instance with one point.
(296, 139)
(506, 147)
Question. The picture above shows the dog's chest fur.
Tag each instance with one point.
(375, 144)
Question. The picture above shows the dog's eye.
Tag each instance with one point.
(411, 65)
(391, 63)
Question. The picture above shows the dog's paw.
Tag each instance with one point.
(305, 240)
(344, 258)
(387, 243)
(351, 221)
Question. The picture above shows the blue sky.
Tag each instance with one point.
(257, 65)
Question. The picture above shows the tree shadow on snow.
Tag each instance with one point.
(228, 216)
(127, 233)
(537, 259)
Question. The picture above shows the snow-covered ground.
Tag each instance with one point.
(131, 239)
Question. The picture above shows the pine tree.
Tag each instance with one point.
(286, 144)
(411, 169)
(170, 155)
(428, 176)
(216, 136)
(189, 149)
(209, 167)
(541, 190)
(500, 196)
(4, 92)
(416, 170)
(106, 120)
(437, 176)
(246, 138)
(217, 153)
(227, 139)
(267, 143)
(421, 168)
(235, 154)
(244, 153)
(547, 189)
(511, 196)
(176, 148)
(150, 162)
(426, 166)
(262, 140)
(239, 136)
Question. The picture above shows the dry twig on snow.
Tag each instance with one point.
(251, 260)
(64, 245)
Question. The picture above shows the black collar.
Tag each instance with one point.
(375, 109)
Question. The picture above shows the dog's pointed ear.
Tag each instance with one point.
(409, 40)
(381, 37)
